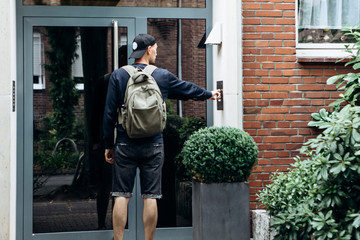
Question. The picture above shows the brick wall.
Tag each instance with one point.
(279, 91)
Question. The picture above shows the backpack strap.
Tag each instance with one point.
(130, 70)
(150, 69)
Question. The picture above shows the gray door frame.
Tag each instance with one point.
(135, 18)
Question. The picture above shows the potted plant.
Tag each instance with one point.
(220, 160)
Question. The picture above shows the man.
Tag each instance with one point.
(147, 154)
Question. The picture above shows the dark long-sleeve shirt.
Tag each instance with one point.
(170, 87)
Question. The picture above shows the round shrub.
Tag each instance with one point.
(219, 155)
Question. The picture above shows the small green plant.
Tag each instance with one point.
(219, 154)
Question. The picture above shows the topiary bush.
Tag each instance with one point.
(219, 155)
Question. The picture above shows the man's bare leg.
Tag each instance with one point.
(120, 217)
(150, 217)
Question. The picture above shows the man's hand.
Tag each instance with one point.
(109, 156)
(216, 94)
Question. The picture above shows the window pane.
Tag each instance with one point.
(180, 50)
(121, 3)
(71, 180)
(321, 21)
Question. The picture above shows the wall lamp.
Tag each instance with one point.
(215, 36)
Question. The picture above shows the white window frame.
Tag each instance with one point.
(41, 84)
(317, 50)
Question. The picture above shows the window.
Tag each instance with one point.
(38, 77)
(319, 27)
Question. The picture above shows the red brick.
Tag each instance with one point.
(262, 176)
(275, 73)
(268, 65)
(251, 6)
(317, 95)
(267, 51)
(251, 95)
(251, 65)
(290, 44)
(269, 29)
(276, 102)
(251, 21)
(293, 146)
(262, 88)
(268, 21)
(297, 117)
(285, 51)
(282, 88)
(286, 65)
(267, 6)
(248, 72)
(277, 139)
(302, 109)
(269, 124)
(276, 43)
(281, 132)
(285, 21)
(283, 6)
(275, 110)
(301, 102)
(248, 13)
(263, 132)
(253, 80)
(248, 125)
(249, 88)
(248, 29)
(268, 13)
(299, 125)
(262, 43)
(296, 95)
(263, 103)
(271, 117)
(275, 80)
(252, 110)
(251, 36)
(284, 161)
(249, 44)
(285, 36)
(248, 58)
(289, 14)
(311, 87)
(283, 124)
(275, 95)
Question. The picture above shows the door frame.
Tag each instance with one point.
(29, 16)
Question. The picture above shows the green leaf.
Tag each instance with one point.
(334, 79)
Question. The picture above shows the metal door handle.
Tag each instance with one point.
(116, 44)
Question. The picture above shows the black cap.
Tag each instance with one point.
(140, 45)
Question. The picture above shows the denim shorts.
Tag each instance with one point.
(149, 158)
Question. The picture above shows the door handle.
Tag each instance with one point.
(116, 44)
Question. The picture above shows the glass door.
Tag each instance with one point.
(67, 182)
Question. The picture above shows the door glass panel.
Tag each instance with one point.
(121, 3)
(71, 180)
(181, 50)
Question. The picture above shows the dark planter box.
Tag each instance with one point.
(221, 211)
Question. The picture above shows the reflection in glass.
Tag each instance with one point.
(121, 3)
(71, 180)
(181, 50)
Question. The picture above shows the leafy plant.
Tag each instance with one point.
(320, 197)
(219, 154)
